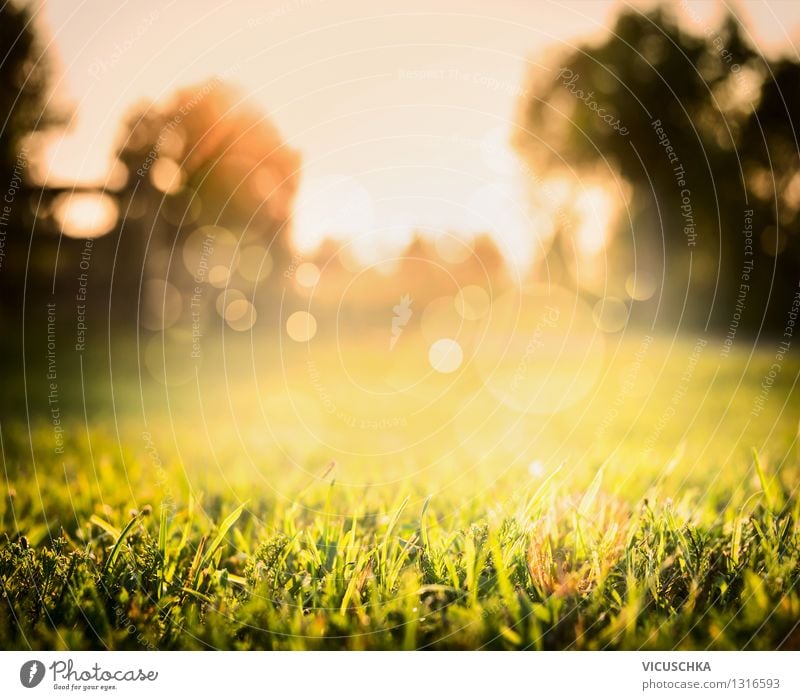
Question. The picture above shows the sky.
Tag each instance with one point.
(402, 112)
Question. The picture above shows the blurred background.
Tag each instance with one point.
(338, 229)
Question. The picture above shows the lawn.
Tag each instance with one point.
(266, 504)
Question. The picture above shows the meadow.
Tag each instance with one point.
(274, 501)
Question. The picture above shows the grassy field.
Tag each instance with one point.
(245, 508)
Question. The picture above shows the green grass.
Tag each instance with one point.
(640, 527)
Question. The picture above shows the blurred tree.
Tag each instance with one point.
(24, 89)
(209, 192)
(24, 79)
(697, 125)
(772, 157)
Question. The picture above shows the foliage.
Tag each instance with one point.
(707, 132)
(24, 79)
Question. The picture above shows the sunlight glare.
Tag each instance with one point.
(594, 208)
(85, 215)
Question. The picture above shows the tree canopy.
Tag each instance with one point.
(703, 129)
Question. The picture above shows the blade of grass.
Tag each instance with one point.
(387, 535)
(226, 525)
(162, 549)
(115, 549)
(591, 493)
(105, 526)
(766, 484)
(422, 527)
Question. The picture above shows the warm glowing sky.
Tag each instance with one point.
(405, 149)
